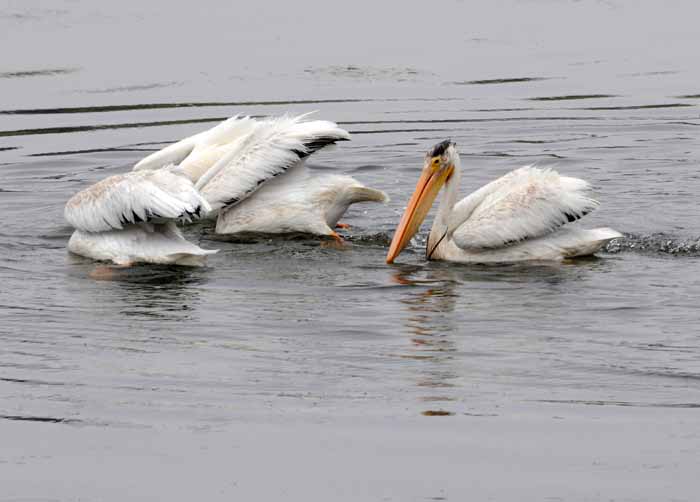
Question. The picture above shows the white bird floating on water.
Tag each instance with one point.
(130, 218)
(518, 217)
(248, 173)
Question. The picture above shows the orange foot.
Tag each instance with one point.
(336, 243)
(342, 225)
(109, 272)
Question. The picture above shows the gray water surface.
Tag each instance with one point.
(288, 370)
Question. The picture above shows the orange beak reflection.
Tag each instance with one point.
(422, 199)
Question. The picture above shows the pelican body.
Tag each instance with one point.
(252, 174)
(248, 174)
(298, 202)
(521, 216)
(131, 218)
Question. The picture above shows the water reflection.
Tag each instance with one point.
(432, 330)
(162, 293)
(442, 304)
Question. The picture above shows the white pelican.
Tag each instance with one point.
(234, 163)
(130, 218)
(518, 217)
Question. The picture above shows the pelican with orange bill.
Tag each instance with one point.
(522, 216)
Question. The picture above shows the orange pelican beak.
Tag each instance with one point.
(427, 188)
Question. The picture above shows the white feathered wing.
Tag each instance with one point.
(131, 218)
(524, 204)
(269, 149)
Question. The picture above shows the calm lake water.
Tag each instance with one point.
(286, 370)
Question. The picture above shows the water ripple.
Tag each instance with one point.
(492, 81)
(49, 72)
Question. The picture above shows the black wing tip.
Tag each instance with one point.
(440, 148)
(315, 144)
(571, 217)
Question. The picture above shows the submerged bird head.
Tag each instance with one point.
(437, 169)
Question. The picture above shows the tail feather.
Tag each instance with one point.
(365, 194)
(590, 241)
(606, 234)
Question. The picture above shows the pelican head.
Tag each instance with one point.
(439, 166)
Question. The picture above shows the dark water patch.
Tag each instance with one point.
(636, 107)
(684, 122)
(569, 97)
(368, 167)
(661, 347)
(436, 385)
(533, 141)
(159, 106)
(128, 125)
(582, 137)
(51, 420)
(647, 159)
(159, 276)
(157, 144)
(50, 72)
(56, 176)
(258, 237)
(523, 109)
(493, 81)
(421, 121)
(61, 232)
(657, 243)
(469, 121)
(437, 413)
(35, 382)
(634, 404)
(512, 155)
(424, 357)
(404, 121)
(204, 104)
(22, 307)
(390, 131)
(91, 150)
(606, 147)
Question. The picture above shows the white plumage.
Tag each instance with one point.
(233, 164)
(520, 216)
(298, 202)
(160, 243)
(130, 218)
(524, 204)
(135, 197)
(191, 147)
(268, 150)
